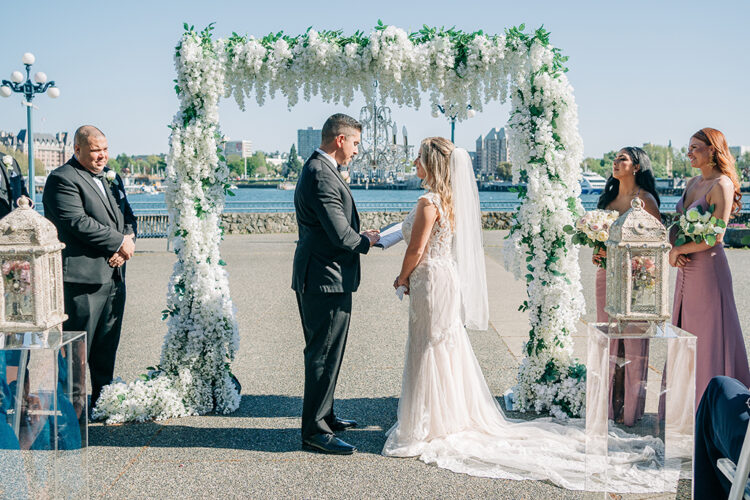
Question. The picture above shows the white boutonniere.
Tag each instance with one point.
(111, 177)
(8, 161)
(345, 176)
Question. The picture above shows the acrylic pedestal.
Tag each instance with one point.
(43, 415)
(640, 394)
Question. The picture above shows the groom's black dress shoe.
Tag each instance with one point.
(339, 424)
(327, 443)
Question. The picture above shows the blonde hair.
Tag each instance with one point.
(435, 156)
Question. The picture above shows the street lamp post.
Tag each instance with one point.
(29, 89)
(446, 110)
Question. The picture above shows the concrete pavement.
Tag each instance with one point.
(255, 452)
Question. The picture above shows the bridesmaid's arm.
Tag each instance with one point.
(721, 195)
(420, 234)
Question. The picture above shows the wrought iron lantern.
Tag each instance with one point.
(637, 267)
(31, 261)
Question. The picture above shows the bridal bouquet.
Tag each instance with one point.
(699, 225)
(593, 230)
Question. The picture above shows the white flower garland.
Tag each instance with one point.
(450, 66)
(194, 375)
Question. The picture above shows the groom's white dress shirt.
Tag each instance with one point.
(329, 157)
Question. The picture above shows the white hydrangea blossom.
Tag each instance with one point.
(391, 65)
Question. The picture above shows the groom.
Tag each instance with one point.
(326, 272)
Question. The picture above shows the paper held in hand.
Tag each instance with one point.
(390, 235)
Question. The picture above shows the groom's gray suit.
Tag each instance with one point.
(326, 272)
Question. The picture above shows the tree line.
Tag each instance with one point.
(659, 155)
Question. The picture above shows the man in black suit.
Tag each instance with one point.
(12, 185)
(720, 428)
(87, 203)
(326, 272)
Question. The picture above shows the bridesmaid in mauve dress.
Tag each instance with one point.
(704, 300)
(631, 177)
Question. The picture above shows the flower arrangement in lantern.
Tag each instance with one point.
(638, 267)
(31, 265)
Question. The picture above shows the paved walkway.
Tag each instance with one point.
(255, 452)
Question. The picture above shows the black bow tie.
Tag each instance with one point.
(101, 175)
(338, 167)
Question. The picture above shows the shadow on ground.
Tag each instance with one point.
(280, 434)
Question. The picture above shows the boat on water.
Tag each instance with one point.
(286, 186)
(592, 183)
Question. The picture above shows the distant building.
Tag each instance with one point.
(9, 140)
(738, 151)
(308, 140)
(491, 150)
(477, 158)
(275, 160)
(51, 149)
(473, 156)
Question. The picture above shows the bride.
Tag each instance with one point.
(446, 414)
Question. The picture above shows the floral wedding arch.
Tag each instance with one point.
(450, 66)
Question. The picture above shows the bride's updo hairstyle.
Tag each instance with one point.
(724, 161)
(435, 155)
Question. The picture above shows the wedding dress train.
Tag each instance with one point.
(447, 415)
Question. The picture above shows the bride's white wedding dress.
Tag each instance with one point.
(447, 415)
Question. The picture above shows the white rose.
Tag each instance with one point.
(345, 176)
(719, 230)
(110, 175)
(602, 236)
(8, 160)
(693, 215)
(698, 228)
(706, 217)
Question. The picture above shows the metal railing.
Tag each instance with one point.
(153, 225)
(154, 208)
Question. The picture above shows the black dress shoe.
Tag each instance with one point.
(327, 443)
(339, 424)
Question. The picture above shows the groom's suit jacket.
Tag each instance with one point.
(327, 256)
(91, 225)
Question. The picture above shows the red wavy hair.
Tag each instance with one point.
(724, 161)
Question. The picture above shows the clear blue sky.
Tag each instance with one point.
(642, 70)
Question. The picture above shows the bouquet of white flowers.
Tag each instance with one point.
(699, 225)
(593, 230)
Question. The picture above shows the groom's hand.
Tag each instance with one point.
(373, 235)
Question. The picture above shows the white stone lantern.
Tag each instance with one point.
(637, 267)
(31, 264)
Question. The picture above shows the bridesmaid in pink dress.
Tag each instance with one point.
(631, 177)
(703, 299)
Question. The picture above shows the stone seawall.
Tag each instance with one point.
(285, 222)
(257, 223)
(156, 226)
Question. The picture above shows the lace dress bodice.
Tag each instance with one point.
(440, 244)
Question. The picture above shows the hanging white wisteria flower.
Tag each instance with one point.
(456, 69)
(193, 376)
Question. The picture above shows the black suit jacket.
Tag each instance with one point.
(91, 226)
(327, 256)
(12, 187)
